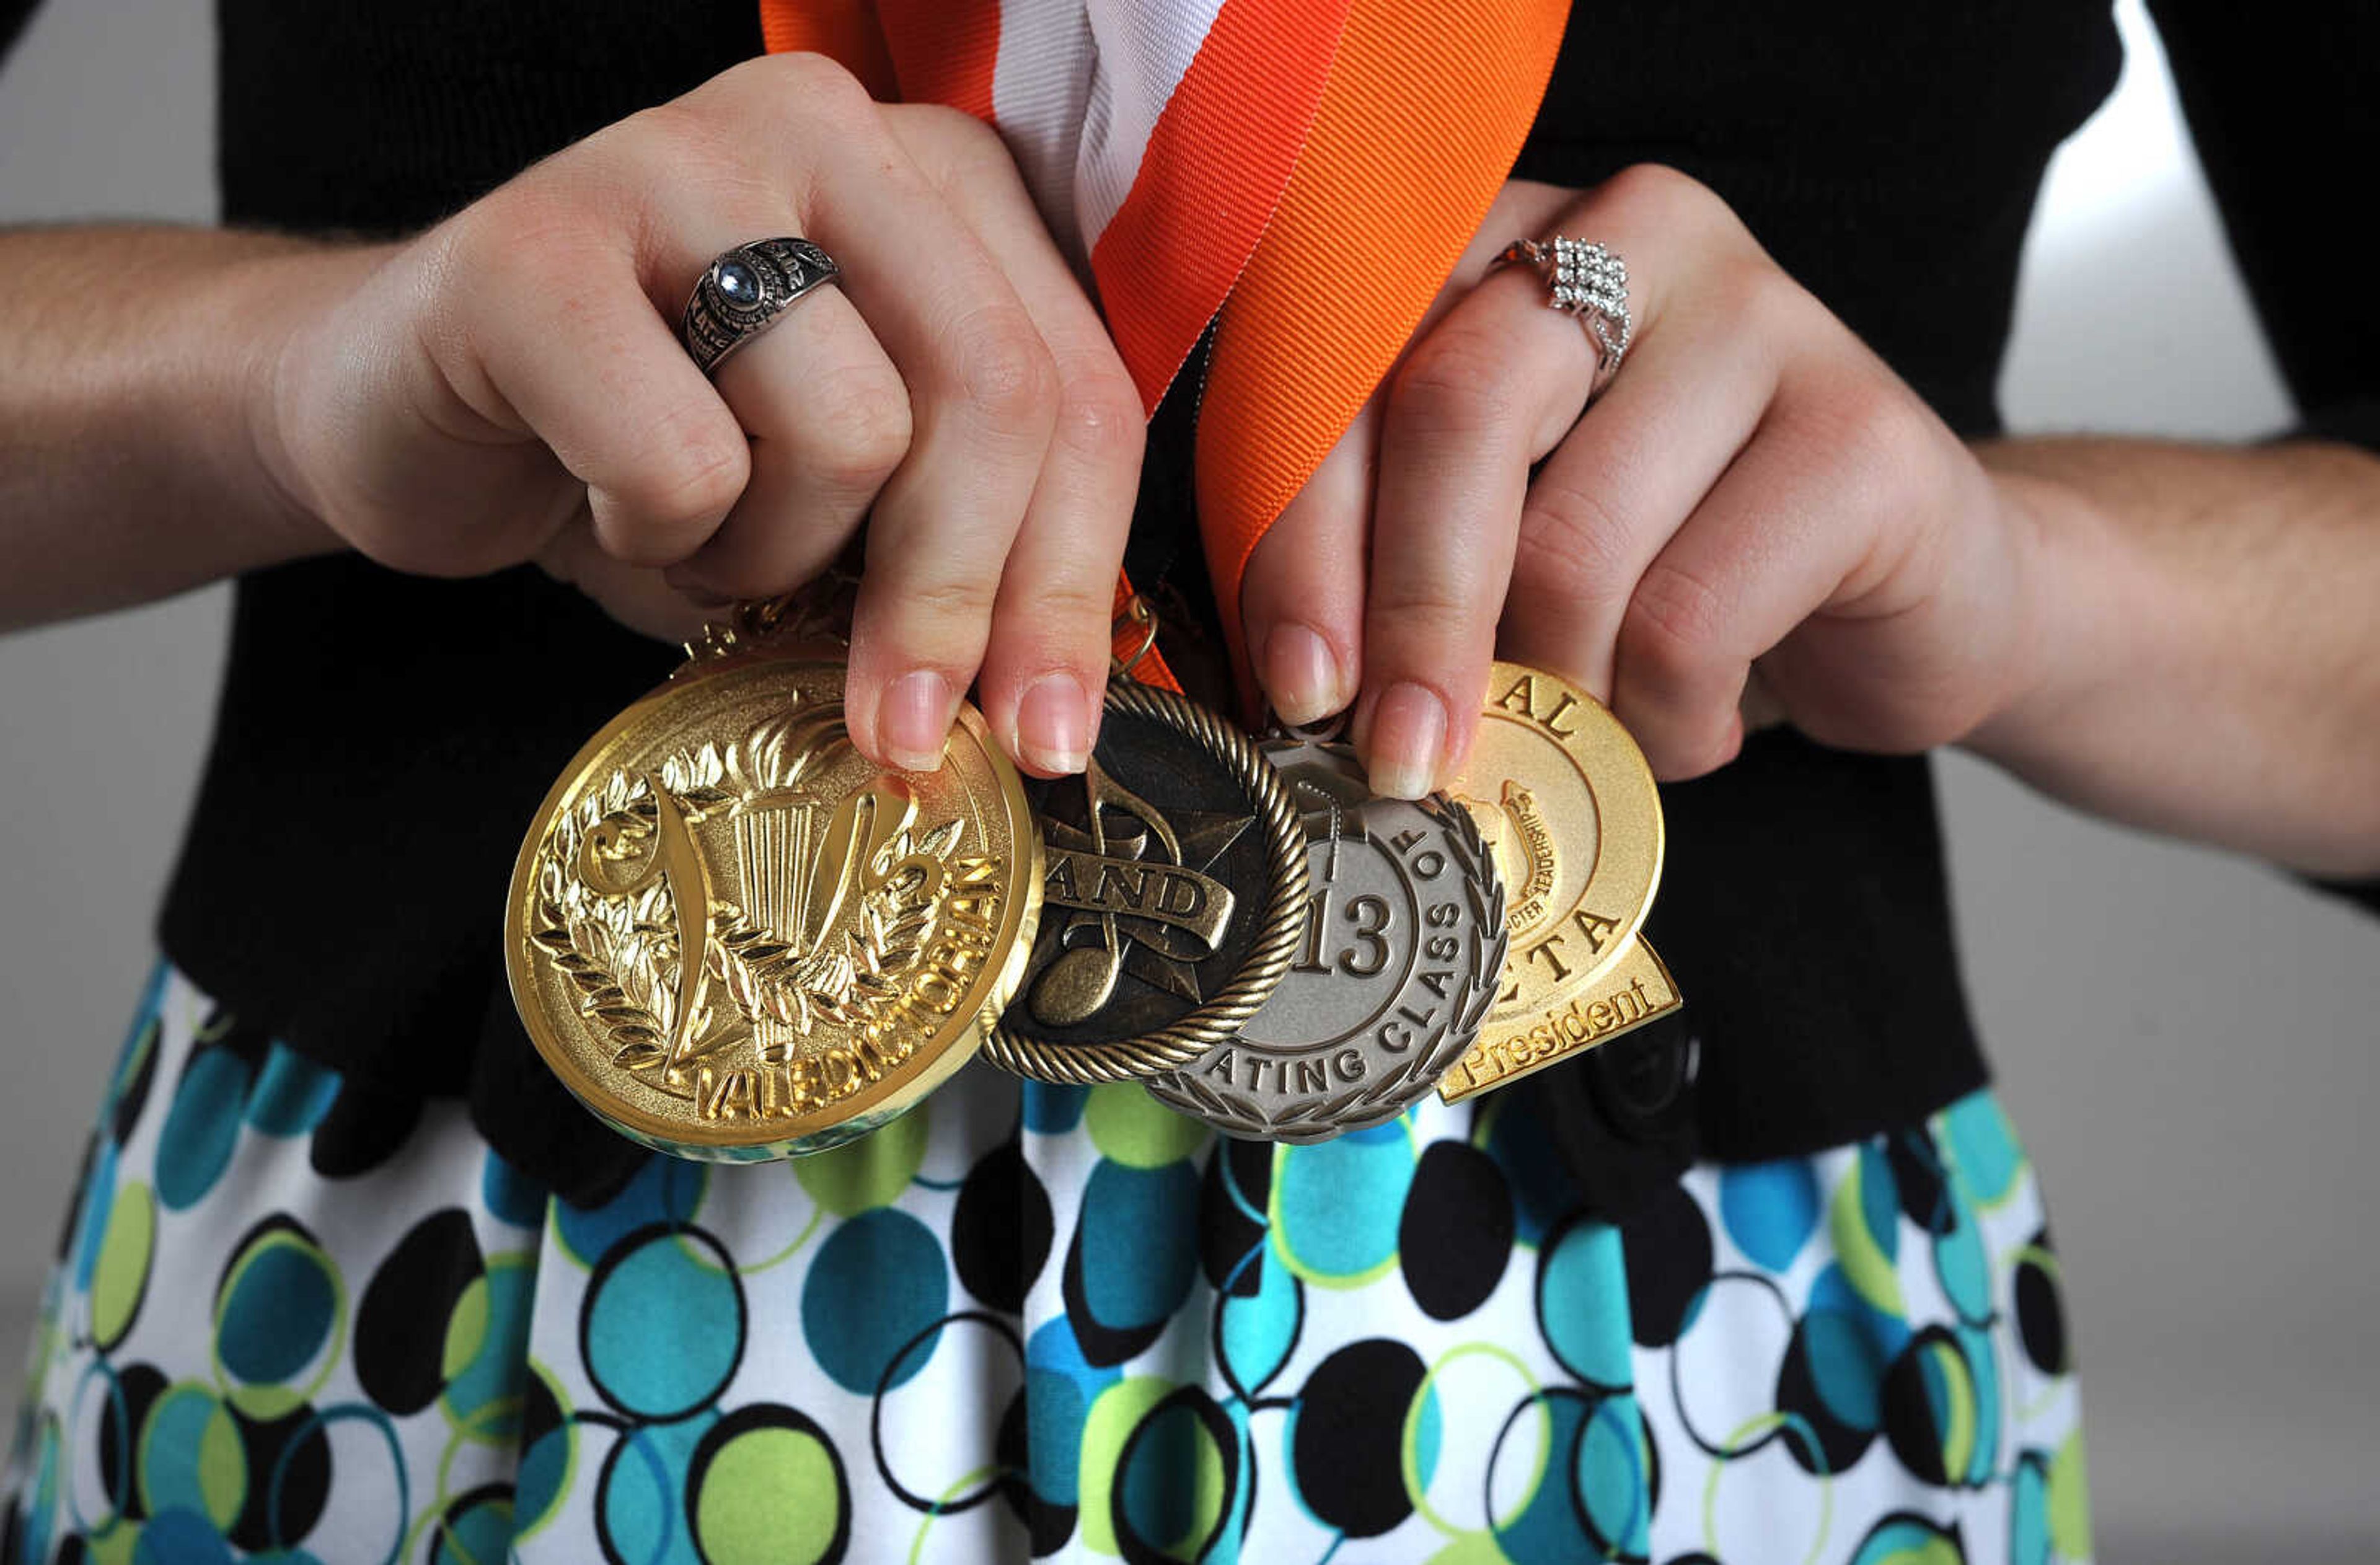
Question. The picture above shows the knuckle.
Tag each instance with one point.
(1868, 426)
(693, 481)
(1067, 619)
(862, 429)
(1456, 382)
(666, 144)
(1672, 626)
(1420, 613)
(695, 147)
(1758, 297)
(956, 142)
(1004, 371)
(1575, 542)
(952, 610)
(1659, 187)
(1665, 199)
(1098, 420)
(810, 83)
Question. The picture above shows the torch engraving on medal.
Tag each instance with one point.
(1515, 832)
(1564, 796)
(750, 942)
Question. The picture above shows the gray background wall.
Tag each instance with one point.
(2188, 1040)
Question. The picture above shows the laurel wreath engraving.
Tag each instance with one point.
(1384, 1097)
(621, 950)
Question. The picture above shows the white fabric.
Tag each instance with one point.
(1077, 89)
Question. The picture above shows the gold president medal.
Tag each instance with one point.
(735, 938)
(1567, 805)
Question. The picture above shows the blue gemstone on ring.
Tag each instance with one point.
(737, 283)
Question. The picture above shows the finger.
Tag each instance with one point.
(1301, 593)
(1775, 540)
(1603, 504)
(829, 421)
(981, 382)
(636, 597)
(560, 339)
(983, 387)
(1045, 665)
(1484, 393)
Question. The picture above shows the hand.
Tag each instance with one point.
(510, 387)
(1754, 491)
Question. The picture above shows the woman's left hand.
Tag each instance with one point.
(1753, 490)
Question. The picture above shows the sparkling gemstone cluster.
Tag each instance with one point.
(1587, 277)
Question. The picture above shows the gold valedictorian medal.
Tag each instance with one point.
(1567, 807)
(734, 938)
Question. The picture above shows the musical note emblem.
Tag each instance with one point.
(1139, 897)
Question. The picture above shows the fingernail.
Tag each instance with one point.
(1408, 732)
(914, 719)
(1301, 675)
(1054, 724)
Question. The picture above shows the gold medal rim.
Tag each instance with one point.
(943, 1054)
(1189, 1039)
(1627, 864)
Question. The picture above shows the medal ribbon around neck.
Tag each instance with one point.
(1302, 174)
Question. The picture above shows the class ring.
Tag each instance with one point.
(745, 291)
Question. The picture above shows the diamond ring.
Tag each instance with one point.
(1589, 282)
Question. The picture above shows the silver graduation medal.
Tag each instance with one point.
(1404, 948)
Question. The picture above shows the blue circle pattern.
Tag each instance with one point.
(1138, 1236)
(664, 1323)
(665, 1328)
(1770, 1209)
(1341, 1200)
(642, 1518)
(664, 1190)
(1060, 1386)
(278, 1316)
(201, 1128)
(292, 1093)
(1583, 1304)
(880, 1281)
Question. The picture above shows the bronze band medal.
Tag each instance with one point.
(1174, 896)
(1565, 801)
(1403, 951)
(734, 938)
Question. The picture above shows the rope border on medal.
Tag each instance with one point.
(1362, 1106)
(1182, 1042)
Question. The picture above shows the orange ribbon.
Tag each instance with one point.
(1322, 179)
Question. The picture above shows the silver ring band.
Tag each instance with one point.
(744, 291)
(1589, 282)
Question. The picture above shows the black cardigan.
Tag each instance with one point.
(1887, 155)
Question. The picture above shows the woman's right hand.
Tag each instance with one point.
(510, 387)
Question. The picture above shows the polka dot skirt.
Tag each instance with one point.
(295, 1319)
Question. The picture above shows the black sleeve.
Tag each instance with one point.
(2284, 111)
(2283, 107)
(14, 14)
